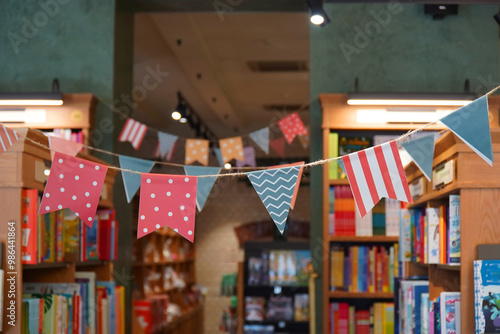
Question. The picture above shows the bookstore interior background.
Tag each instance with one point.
(249, 167)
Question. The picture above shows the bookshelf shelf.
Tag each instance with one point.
(339, 182)
(43, 266)
(360, 295)
(359, 239)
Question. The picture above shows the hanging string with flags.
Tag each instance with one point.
(171, 200)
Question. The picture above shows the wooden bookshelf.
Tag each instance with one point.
(478, 185)
(356, 239)
(153, 254)
(476, 182)
(23, 166)
(360, 295)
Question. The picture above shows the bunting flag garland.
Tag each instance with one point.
(421, 150)
(75, 184)
(231, 148)
(197, 150)
(471, 124)
(301, 165)
(278, 145)
(167, 200)
(132, 181)
(249, 158)
(276, 188)
(63, 146)
(374, 173)
(292, 126)
(205, 184)
(218, 155)
(7, 138)
(133, 132)
(305, 140)
(261, 138)
(166, 144)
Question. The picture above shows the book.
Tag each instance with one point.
(279, 308)
(29, 225)
(424, 313)
(59, 232)
(88, 280)
(350, 144)
(447, 312)
(432, 235)
(47, 237)
(71, 236)
(301, 307)
(49, 310)
(405, 236)
(109, 308)
(255, 308)
(333, 151)
(486, 296)
(107, 234)
(418, 291)
(34, 314)
(91, 242)
(454, 230)
(458, 318)
(254, 271)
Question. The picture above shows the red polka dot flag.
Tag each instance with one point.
(75, 184)
(291, 126)
(167, 200)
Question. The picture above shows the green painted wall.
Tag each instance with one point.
(87, 45)
(393, 47)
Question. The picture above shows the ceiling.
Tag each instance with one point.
(207, 56)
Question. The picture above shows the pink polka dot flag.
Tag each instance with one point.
(167, 200)
(75, 184)
(291, 126)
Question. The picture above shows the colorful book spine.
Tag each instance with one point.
(447, 309)
(454, 231)
(433, 232)
(333, 151)
(29, 224)
(442, 235)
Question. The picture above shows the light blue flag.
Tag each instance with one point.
(471, 124)
(166, 144)
(275, 188)
(341, 165)
(205, 184)
(421, 150)
(261, 138)
(132, 181)
(218, 155)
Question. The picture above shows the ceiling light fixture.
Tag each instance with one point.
(184, 113)
(318, 14)
(409, 99)
(53, 98)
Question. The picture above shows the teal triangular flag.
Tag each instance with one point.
(471, 124)
(421, 151)
(132, 181)
(218, 155)
(261, 138)
(275, 188)
(205, 184)
(341, 165)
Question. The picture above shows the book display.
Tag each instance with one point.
(450, 216)
(166, 298)
(275, 288)
(55, 265)
(360, 261)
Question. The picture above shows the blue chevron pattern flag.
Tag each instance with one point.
(471, 124)
(132, 181)
(261, 138)
(275, 188)
(205, 184)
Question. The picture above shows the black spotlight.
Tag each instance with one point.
(318, 14)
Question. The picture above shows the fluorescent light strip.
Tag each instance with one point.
(360, 102)
(382, 116)
(31, 102)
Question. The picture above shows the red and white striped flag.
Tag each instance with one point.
(374, 173)
(133, 132)
(7, 138)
